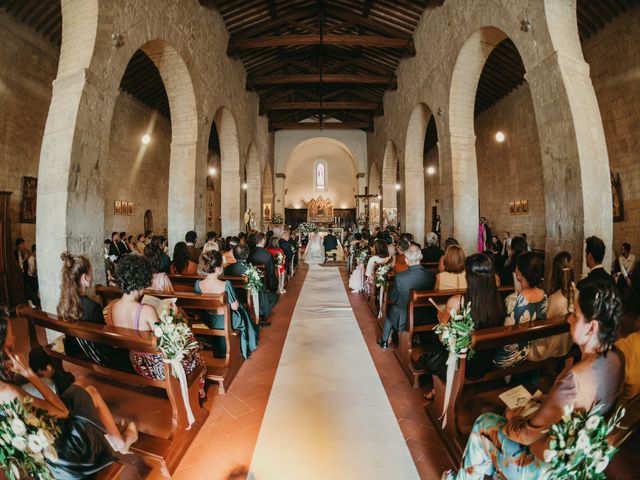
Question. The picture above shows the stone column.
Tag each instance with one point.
(362, 184)
(70, 209)
(183, 203)
(575, 162)
(279, 196)
(254, 198)
(413, 213)
(231, 189)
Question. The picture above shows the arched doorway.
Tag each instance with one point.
(148, 222)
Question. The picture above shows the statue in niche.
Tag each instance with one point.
(249, 221)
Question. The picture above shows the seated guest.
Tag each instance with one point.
(227, 252)
(182, 264)
(75, 306)
(134, 275)
(160, 282)
(495, 261)
(629, 348)
(267, 298)
(486, 310)
(400, 262)
(453, 276)
(517, 246)
(165, 260)
(211, 244)
(624, 265)
(211, 266)
(194, 253)
(447, 243)
(380, 255)
(84, 448)
(560, 304)
(431, 253)
(594, 254)
(131, 243)
(260, 256)
(512, 447)
(356, 238)
(416, 277)
(141, 242)
(527, 305)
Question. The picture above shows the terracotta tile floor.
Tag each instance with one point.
(224, 446)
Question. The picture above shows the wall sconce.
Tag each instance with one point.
(525, 25)
(440, 111)
(398, 186)
(145, 139)
(500, 137)
(245, 186)
(213, 171)
(431, 170)
(379, 197)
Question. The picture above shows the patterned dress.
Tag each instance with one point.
(519, 310)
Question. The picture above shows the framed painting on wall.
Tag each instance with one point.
(512, 208)
(130, 208)
(117, 207)
(616, 194)
(525, 207)
(29, 194)
(518, 207)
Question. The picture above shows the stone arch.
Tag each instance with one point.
(230, 172)
(414, 209)
(389, 177)
(254, 183)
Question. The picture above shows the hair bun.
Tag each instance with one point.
(66, 257)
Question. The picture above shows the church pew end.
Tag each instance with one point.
(486, 339)
(168, 451)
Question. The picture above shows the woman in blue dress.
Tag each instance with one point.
(528, 305)
(211, 266)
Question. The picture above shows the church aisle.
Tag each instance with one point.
(328, 415)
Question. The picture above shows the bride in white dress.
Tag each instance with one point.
(314, 254)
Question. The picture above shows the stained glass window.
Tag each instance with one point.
(320, 176)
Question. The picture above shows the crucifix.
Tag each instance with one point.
(365, 199)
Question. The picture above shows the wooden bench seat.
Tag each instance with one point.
(168, 451)
(421, 317)
(196, 306)
(456, 431)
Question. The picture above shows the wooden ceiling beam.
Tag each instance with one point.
(316, 126)
(321, 106)
(236, 44)
(344, 14)
(388, 81)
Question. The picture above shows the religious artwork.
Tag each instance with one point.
(29, 194)
(320, 210)
(512, 208)
(518, 207)
(117, 207)
(266, 212)
(148, 221)
(249, 221)
(129, 208)
(616, 194)
(210, 197)
(389, 217)
(525, 207)
(374, 213)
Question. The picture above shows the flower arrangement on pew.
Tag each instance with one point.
(307, 227)
(27, 436)
(362, 254)
(457, 336)
(175, 340)
(254, 282)
(279, 259)
(382, 274)
(579, 447)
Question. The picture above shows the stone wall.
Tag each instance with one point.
(25, 94)
(137, 173)
(614, 57)
(512, 170)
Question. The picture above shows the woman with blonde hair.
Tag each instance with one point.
(453, 276)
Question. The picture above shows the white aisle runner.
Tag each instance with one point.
(328, 416)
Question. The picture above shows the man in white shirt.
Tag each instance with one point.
(626, 262)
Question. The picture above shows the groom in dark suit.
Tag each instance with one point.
(414, 278)
(260, 255)
(287, 248)
(330, 244)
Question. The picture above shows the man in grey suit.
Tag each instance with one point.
(414, 278)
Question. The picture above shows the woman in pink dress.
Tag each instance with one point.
(482, 235)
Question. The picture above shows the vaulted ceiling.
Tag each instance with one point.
(320, 60)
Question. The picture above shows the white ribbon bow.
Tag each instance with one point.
(178, 372)
(255, 297)
(452, 366)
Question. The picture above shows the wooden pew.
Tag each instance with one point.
(220, 370)
(406, 353)
(168, 451)
(455, 434)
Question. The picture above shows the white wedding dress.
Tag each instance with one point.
(314, 254)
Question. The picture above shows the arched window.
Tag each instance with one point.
(320, 175)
